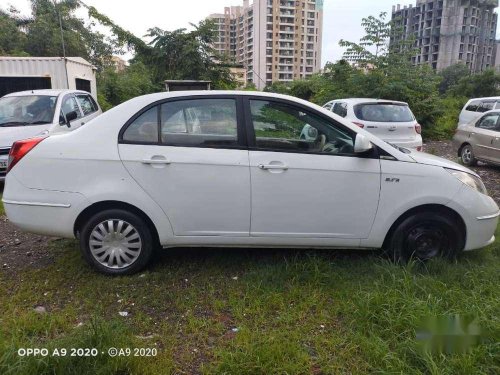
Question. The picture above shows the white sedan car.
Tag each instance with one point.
(41, 112)
(231, 169)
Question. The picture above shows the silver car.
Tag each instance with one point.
(41, 112)
(479, 139)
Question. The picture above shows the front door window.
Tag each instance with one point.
(282, 127)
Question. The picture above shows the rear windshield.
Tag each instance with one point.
(383, 112)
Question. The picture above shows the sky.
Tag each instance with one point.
(342, 18)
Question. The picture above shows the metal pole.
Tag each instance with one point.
(62, 42)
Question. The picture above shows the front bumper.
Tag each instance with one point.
(4, 157)
(480, 214)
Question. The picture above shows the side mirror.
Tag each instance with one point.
(66, 120)
(362, 144)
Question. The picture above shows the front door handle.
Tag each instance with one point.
(267, 167)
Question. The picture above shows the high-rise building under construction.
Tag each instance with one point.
(448, 32)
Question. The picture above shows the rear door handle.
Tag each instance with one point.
(156, 161)
(267, 167)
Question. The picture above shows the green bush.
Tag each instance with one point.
(445, 124)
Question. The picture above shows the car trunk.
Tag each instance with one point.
(388, 121)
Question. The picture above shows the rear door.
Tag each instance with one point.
(190, 156)
(392, 122)
(485, 136)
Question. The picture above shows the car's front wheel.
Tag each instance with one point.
(116, 242)
(425, 235)
(467, 156)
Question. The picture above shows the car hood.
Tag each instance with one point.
(9, 135)
(428, 159)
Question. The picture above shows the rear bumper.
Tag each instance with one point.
(51, 213)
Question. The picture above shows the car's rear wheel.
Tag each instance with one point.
(116, 242)
(467, 156)
(426, 235)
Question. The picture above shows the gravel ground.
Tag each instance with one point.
(19, 250)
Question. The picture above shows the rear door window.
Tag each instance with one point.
(199, 122)
(86, 104)
(383, 112)
(473, 106)
(340, 109)
(486, 106)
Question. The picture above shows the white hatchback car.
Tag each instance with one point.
(230, 169)
(389, 120)
(39, 112)
(475, 108)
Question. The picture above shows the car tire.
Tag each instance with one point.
(117, 242)
(467, 156)
(425, 235)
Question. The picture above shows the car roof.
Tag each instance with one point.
(486, 98)
(179, 94)
(367, 100)
(45, 92)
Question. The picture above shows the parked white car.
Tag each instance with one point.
(230, 169)
(475, 108)
(389, 120)
(41, 112)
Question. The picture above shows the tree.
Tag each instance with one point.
(183, 54)
(40, 34)
(372, 45)
(451, 76)
(118, 87)
(480, 85)
(12, 40)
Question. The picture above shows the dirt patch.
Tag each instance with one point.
(490, 174)
(19, 250)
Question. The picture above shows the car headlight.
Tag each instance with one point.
(469, 180)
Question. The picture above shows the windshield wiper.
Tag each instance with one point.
(14, 123)
(38, 123)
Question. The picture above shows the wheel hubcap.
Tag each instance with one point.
(466, 155)
(115, 243)
(426, 242)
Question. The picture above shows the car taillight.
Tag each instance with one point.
(20, 149)
(418, 128)
(359, 124)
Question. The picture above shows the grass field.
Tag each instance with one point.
(249, 312)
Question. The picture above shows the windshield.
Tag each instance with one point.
(27, 110)
(383, 112)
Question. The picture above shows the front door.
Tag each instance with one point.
(306, 180)
(189, 156)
